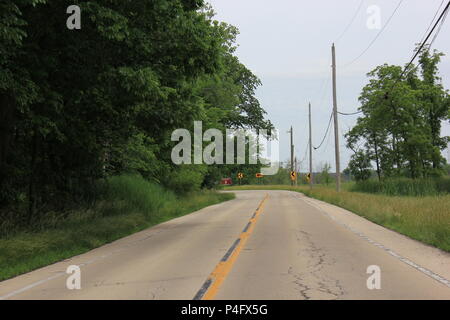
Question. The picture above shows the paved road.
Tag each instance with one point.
(262, 245)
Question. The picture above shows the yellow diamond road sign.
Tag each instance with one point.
(293, 175)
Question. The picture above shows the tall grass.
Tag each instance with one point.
(425, 218)
(129, 204)
(405, 187)
(129, 193)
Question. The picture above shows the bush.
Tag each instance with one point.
(186, 179)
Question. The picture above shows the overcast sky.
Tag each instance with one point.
(287, 44)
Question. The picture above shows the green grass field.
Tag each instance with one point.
(425, 218)
(132, 204)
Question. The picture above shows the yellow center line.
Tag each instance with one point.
(223, 268)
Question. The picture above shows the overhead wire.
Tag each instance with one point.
(423, 42)
(349, 114)
(304, 156)
(439, 29)
(351, 22)
(431, 23)
(443, 14)
(376, 37)
(326, 132)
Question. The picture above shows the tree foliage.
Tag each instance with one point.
(400, 130)
(80, 105)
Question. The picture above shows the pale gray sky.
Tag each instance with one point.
(287, 43)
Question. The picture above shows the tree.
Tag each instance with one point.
(436, 104)
(359, 166)
(400, 126)
(80, 106)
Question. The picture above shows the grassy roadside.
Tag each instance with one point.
(132, 204)
(426, 219)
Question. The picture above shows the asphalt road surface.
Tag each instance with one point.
(262, 245)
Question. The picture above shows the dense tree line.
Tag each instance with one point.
(80, 105)
(400, 127)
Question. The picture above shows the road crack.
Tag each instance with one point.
(313, 281)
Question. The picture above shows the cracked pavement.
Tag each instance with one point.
(300, 248)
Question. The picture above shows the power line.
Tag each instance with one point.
(326, 132)
(424, 42)
(376, 37)
(431, 23)
(325, 91)
(442, 17)
(439, 29)
(349, 114)
(440, 20)
(306, 154)
(324, 84)
(351, 22)
(325, 148)
(444, 13)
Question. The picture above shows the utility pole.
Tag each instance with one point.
(296, 170)
(292, 154)
(310, 150)
(336, 128)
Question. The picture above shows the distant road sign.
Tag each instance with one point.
(240, 175)
(226, 181)
(259, 175)
(293, 175)
(308, 177)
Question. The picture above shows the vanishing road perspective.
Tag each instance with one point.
(195, 153)
(261, 245)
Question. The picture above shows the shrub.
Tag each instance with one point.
(186, 179)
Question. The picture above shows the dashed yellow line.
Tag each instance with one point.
(223, 268)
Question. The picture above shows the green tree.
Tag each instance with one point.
(359, 166)
(78, 106)
(400, 126)
(435, 102)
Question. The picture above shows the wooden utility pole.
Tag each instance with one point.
(310, 149)
(296, 170)
(336, 128)
(292, 154)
